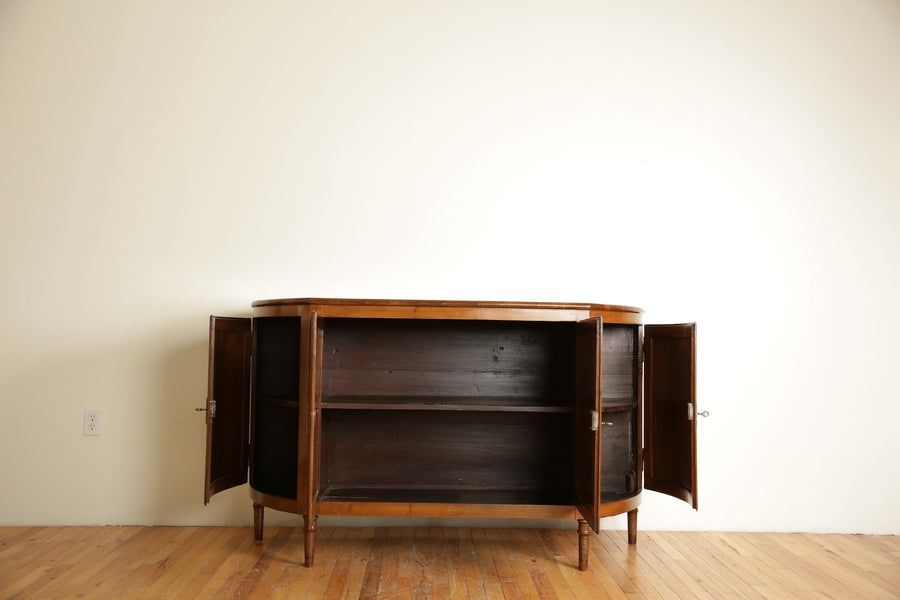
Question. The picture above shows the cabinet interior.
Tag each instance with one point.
(425, 410)
(276, 406)
(620, 419)
(459, 411)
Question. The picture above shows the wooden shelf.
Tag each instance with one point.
(619, 404)
(607, 497)
(442, 494)
(443, 403)
(277, 401)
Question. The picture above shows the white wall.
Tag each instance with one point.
(737, 164)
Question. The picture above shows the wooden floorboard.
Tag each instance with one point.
(435, 563)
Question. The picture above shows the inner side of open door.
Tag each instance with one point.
(228, 405)
(670, 431)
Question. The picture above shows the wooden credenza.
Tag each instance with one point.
(408, 408)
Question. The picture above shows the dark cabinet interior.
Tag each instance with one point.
(619, 420)
(373, 408)
(426, 410)
(276, 406)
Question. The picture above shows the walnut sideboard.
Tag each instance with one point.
(411, 408)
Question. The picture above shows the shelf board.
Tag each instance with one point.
(292, 402)
(619, 404)
(448, 403)
(609, 497)
(443, 494)
(443, 403)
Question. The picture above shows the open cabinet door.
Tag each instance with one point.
(670, 426)
(227, 405)
(587, 415)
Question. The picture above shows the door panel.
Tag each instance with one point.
(670, 426)
(228, 405)
(587, 410)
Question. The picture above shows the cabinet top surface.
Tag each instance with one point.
(351, 302)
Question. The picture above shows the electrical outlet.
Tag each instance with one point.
(92, 421)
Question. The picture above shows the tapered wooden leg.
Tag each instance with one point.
(258, 521)
(584, 544)
(309, 539)
(632, 526)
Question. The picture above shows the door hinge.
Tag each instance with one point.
(210, 410)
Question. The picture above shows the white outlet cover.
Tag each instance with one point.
(93, 422)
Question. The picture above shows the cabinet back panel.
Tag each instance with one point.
(448, 358)
(618, 455)
(448, 450)
(277, 356)
(619, 345)
(274, 461)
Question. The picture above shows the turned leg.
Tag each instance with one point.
(632, 526)
(258, 521)
(584, 544)
(309, 540)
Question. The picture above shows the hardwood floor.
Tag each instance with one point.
(424, 562)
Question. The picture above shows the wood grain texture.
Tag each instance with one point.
(441, 563)
(442, 309)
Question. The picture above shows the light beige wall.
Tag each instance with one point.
(730, 163)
